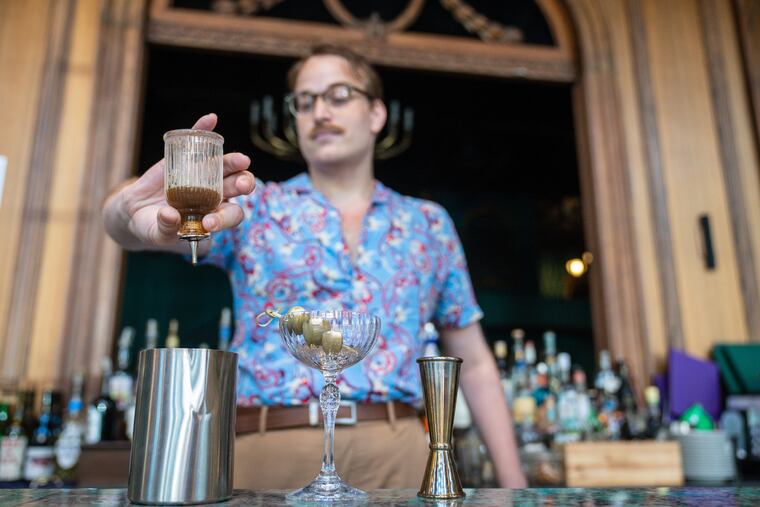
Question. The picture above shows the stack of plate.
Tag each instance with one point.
(707, 456)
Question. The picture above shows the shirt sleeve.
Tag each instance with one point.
(457, 306)
(222, 251)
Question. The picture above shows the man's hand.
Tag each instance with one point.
(138, 217)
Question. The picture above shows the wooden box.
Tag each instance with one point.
(623, 464)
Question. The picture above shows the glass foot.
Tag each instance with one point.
(328, 488)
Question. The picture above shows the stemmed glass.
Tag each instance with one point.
(328, 341)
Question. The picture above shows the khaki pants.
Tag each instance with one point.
(369, 455)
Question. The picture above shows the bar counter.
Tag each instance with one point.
(718, 496)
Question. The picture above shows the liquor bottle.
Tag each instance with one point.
(39, 464)
(500, 353)
(120, 385)
(13, 443)
(172, 338)
(225, 329)
(552, 388)
(570, 420)
(541, 390)
(56, 413)
(30, 400)
(518, 368)
(550, 358)
(632, 427)
(429, 335)
(524, 413)
(151, 334)
(524, 409)
(606, 380)
(654, 427)
(584, 406)
(68, 447)
(101, 414)
(5, 415)
(607, 385)
(530, 364)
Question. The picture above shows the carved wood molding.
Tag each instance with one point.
(268, 36)
(20, 320)
(95, 286)
(373, 26)
(721, 103)
(618, 306)
(748, 21)
(656, 178)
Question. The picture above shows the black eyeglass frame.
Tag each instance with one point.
(290, 98)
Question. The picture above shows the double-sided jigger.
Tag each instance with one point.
(440, 380)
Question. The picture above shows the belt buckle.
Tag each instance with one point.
(351, 419)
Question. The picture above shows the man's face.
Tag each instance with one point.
(335, 134)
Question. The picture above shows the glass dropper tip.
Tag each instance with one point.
(194, 250)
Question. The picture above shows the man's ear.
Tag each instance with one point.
(378, 114)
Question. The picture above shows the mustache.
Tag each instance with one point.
(325, 129)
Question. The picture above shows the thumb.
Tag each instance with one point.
(207, 122)
(168, 220)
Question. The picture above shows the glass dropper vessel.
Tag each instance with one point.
(193, 175)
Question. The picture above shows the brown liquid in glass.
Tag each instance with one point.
(193, 203)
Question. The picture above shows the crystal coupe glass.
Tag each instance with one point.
(329, 342)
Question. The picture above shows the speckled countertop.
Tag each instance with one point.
(726, 496)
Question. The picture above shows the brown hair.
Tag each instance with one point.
(359, 66)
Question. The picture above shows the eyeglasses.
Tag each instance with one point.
(336, 96)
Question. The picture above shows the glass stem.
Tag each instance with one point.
(329, 400)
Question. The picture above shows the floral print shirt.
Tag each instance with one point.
(409, 269)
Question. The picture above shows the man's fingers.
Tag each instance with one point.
(168, 221)
(235, 162)
(241, 183)
(227, 215)
(207, 122)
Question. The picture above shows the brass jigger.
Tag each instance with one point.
(440, 380)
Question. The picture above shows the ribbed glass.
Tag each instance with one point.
(194, 159)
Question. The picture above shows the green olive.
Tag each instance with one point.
(313, 329)
(332, 341)
(295, 322)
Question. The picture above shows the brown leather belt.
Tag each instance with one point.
(250, 419)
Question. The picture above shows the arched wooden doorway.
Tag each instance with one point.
(618, 316)
(667, 112)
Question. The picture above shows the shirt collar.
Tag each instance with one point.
(301, 183)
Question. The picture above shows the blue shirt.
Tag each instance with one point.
(409, 269)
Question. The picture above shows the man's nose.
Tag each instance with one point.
(321, 109)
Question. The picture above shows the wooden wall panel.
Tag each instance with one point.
(606, 193)
(70, 83)
(33, 38)
(648, 261)
(19, 66)
(47, 339)
(710, 301)
(741, 167)
(92, 308)
(747, 23)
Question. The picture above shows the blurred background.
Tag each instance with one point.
(599, 159)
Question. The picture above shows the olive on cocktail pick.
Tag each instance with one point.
(313, 329)
(332, 341)
(296, 318)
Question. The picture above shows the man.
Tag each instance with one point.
(334, 238)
